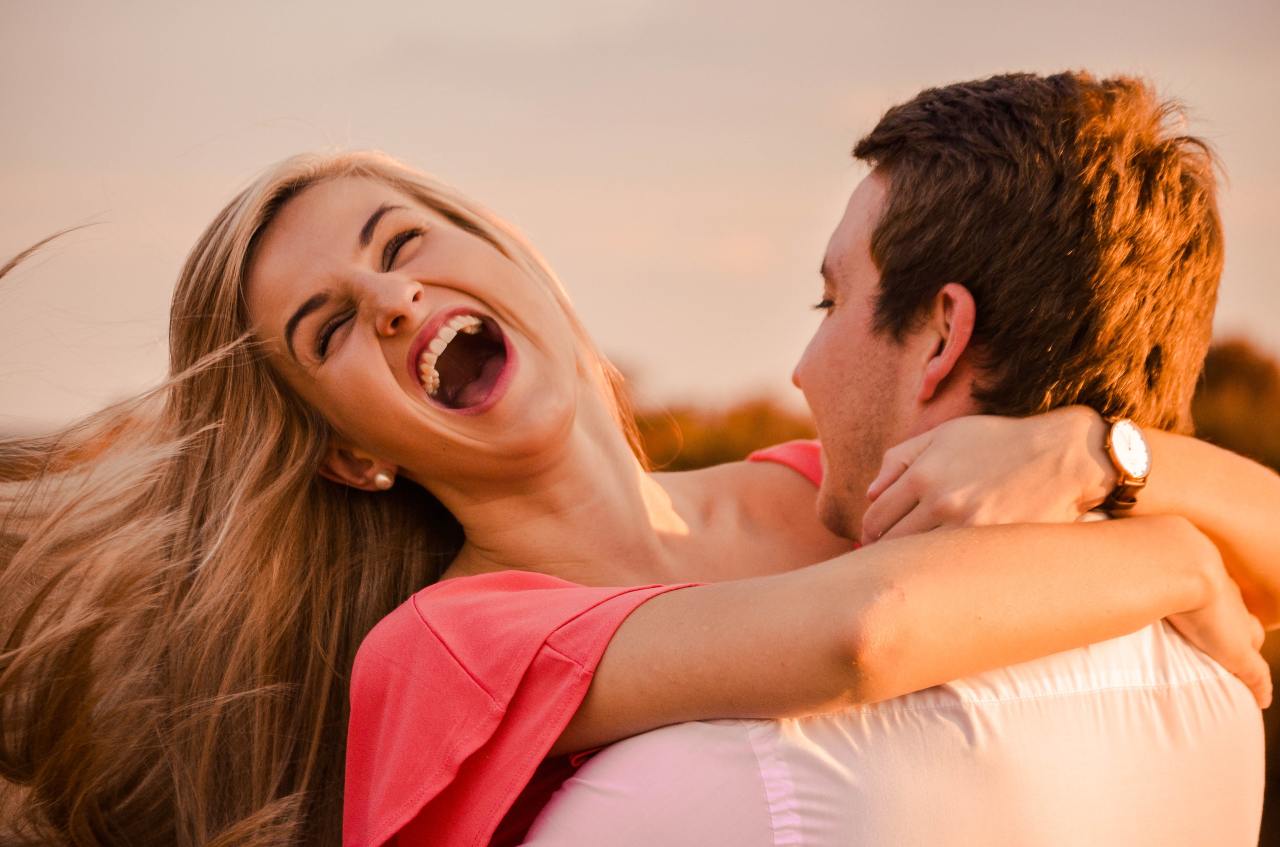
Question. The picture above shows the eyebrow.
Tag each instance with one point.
(825, 270)
(315, 301)
(366, 232)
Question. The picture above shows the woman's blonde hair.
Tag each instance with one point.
(182, 595)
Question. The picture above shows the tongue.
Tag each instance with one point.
(477, 391)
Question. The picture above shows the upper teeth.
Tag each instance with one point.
(466, 324)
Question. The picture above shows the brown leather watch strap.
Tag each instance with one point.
(1124, 496)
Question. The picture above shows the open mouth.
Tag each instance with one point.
(462, 364)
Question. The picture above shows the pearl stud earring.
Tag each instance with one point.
(382, 480)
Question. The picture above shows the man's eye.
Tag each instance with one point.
(322, 341)
(392, 250)
(825, 304)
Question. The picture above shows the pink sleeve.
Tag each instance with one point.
(457, 696)
(803, 457)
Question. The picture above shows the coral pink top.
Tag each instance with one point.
(458, 694)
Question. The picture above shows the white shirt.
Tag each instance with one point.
(1141, 740)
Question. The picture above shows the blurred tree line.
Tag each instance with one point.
(1236, 406)
(686, 437)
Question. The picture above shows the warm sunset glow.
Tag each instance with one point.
(680, 164)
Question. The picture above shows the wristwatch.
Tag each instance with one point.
(1131, 456)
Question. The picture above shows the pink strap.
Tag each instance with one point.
(803, 457)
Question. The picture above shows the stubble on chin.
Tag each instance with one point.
(839, 512)
(842, 500)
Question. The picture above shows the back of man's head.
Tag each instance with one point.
(1082, 220)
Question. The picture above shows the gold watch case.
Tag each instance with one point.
(1131, 456)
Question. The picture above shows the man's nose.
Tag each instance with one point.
(795, 372)
(801, 368)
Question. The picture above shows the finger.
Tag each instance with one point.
(891, 506)
(1259, 632)
(1251, 669)
(1258, 678)
(896, 461)
(920, 519)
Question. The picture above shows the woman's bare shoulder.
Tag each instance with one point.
(772, 506)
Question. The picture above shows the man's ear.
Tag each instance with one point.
(952, 319)
(348, 465)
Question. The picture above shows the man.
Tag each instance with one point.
(1022, 243)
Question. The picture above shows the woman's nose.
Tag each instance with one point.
(397, 305)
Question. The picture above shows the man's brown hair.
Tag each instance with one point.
(1081, 219)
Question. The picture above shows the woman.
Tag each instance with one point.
(188, 575)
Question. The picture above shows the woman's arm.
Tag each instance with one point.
(1053, 467)
(901, 616)
(1234, 501)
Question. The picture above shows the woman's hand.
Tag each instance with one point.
(984, 470)
(1223, 628)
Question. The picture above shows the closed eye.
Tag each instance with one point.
(397, 241)
(327, 331)
(389, 255)
(825, 304)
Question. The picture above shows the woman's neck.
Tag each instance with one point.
(592, 515)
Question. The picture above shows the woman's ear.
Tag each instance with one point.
(953, 316)
(351, 466)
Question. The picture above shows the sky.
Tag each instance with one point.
(681, 164)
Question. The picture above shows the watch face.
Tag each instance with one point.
(1130, 448)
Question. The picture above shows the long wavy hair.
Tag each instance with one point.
(182, 595)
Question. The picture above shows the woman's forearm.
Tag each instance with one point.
(958, 602)
(1234, 501)
(886, 620)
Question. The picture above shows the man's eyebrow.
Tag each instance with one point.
(315, 301)
(366, 232)
(825, 270)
